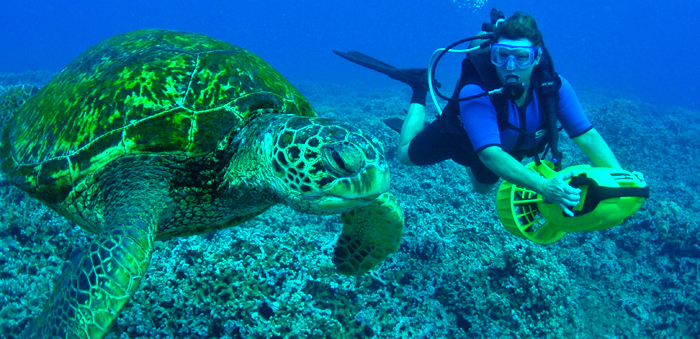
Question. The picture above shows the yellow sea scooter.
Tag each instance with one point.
(608, 197)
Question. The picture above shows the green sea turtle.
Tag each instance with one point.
(156, 134)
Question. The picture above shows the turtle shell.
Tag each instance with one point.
(148, 91)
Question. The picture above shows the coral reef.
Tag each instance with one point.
(11, 98)
(457, 274)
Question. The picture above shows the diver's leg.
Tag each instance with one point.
(479, 187)
(414, 123)
(430, 145)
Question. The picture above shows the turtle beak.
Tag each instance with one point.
(361, 189)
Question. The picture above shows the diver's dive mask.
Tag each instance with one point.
(521, 56)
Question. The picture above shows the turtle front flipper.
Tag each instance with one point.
(369, 235)
(99, 279)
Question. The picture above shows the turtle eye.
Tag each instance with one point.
(343, 159)
(338, 160)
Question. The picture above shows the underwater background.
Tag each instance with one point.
(458, 273)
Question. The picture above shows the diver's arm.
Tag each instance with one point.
(597, 149)
(414, 124)
(555, 190)
(510, 169)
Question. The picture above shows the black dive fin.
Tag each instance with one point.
(411, 76)
(368, 61)
(394, 123)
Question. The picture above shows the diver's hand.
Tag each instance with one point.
(558, 191)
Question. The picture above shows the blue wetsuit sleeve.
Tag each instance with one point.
(571, 114)
(479, 118)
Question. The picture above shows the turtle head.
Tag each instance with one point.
(321, 166)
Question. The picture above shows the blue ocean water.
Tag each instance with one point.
(646, 271)
(641, 49)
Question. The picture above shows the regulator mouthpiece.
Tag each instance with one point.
(512, 89)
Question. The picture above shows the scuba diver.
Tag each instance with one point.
(505, 107)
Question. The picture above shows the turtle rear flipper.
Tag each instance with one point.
(99, 279)
(369, 235)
